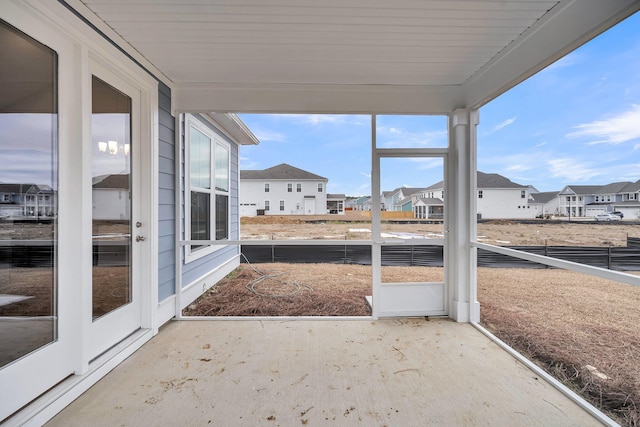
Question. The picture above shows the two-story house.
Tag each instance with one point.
(590, 200)
(498, 197)
(26, 201)
(282, 190)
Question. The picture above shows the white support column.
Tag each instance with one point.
(461, 216)
(376, 247)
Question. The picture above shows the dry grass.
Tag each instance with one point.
(566, 323)
(561, 320)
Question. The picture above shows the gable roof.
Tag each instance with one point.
(119, 181)
(22, 188)
(282, 171)
(631, 187)
(615, 187)
(544, 197)
(486, 180)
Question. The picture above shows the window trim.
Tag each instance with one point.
(189, 122)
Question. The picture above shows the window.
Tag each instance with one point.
(208, 186)
(289, 188)
(6, 198)
(319, 187)
(479, 194)
(523, 194)
(266, 205)
(266, 187)
(282, 205)
(298, 188)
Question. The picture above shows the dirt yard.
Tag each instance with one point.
(583, 330)
(354, 226)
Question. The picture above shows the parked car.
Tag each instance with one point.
(620, 214)
(607, 217)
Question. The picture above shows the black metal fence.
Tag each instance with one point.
(613, 258)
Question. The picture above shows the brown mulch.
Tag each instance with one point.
(287, 290)
(565, 322)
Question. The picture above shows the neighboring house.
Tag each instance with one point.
(336, 203)
(282, 190)
(28, 201)
(396, 200)
(591, 200)
(363, 203)
(111, 197)
(497, 197)
(428, 208)
(630, 203)
(545, 203)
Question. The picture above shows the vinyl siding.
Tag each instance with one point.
(166, 195)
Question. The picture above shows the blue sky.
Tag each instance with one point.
(576, 122)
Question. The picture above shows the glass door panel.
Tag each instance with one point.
(28, 195)
(111, 197)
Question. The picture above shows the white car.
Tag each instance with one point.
(607, 217)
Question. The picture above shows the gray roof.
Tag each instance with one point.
(430, 201)
(615, 187)
(544, 197)
(19, 188)
(407, 191)
(631, 187)
(486, 180)
(282, 171)
(119, 181)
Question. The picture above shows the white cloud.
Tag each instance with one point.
(566, 61)
(368, 175)
(542, 144)
(615, 130)
(320, 119)
(503, 124)
(571, 170)
(268, 135)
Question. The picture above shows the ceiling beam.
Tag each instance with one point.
(316, 98)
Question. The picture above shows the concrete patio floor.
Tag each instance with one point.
(395, 372)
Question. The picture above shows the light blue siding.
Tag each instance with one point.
(166, 198)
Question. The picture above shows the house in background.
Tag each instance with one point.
(28, 201)
(591, 200)
(398, 199)
(545, 203)
(498, 197)
(282, 190)
(336, 203)
(111, 197)
(629, 204)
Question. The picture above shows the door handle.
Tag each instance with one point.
(139, 238)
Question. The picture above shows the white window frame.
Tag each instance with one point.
(281, 205)
(289, 187)
(267, 205)
(298, 187)
(320, 187)
(202, 251)
(267, 187)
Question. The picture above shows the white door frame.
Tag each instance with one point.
(108, 330)
(378, 294)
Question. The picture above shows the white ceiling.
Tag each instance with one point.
(349, 55)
